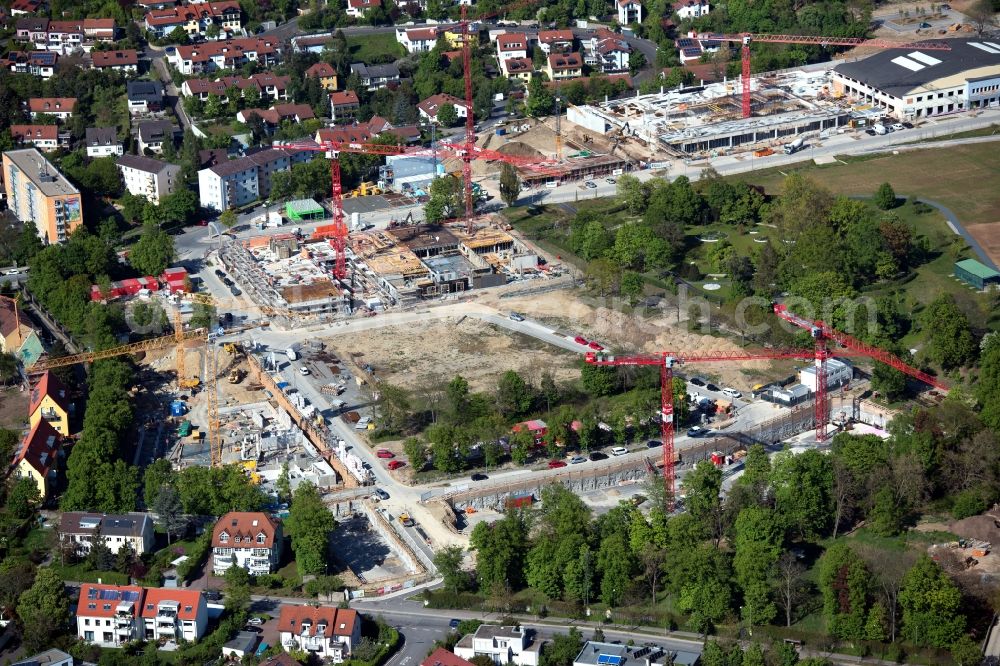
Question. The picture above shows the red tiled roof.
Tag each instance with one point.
(364, 4)
(50, 104)
(207, 50)
(432, 104)
(115, 58)
(560, 61)
(49, 385)
(322, 70)
(337, 621)
(344, 98)
(344, 134)
(9, 318)
(65, 26)
(34, 132)
(244, 525)
(442, 657)
(99, 24)
(452, 55)
(187, 601)
(549, 36)
(40, 447)
(622, 3)
(509, 40)
(519, 65)
(103, 600)
(422, 34)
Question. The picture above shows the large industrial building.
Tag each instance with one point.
(918, 83)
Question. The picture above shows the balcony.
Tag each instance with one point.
(124, 621)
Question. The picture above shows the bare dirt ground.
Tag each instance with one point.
(13, 408)
(985, 527)
(988, 236)
(419, 357)
(565, 311)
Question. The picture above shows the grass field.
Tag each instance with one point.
(374, 48)
(963, 178)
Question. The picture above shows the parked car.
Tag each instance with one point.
(619, 451)
(235, 291)
(590, 185)
(576, 460)
(898, 127)
(580, 340)
(228, 282)
(870, 132)
(696, 431)
(516, 316)
(219, 274)
(597, 455)
(303, 370)
(479, 476)
(395, 464)
(380, 494)
(712, 387)
(255, 622)
(653, 443)
(556, 464)
(610, 181)
(732, 393)
(596, 346)
(454, 624)
(385, 453)
(697, 381)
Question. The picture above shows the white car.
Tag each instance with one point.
(13, 271)
(255, 622)
(303, 370)
(732, 393)
(898, 127)
(619, 451)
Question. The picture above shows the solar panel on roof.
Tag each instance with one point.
(609, 659)
(684, 42)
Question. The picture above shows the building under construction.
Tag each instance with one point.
(707, 120)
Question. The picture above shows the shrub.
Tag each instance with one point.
(968, 503)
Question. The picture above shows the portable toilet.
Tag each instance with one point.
(178, 408)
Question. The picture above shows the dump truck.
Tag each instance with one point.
(189, 383)
(405, 520)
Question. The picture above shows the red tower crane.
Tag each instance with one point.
(822, 335)
(746, 38)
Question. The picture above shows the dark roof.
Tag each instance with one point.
(142, 163)
(245, 642)
(898, 71)
(375, 71)
(102, 136)
(145, 90)
(131, 524)
(212, 156)
(152, 130)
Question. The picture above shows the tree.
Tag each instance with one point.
(982, 13)
(309, 523)
(448, 562)
(540, 100)
(633, 193)
(966, 652)
(875, 625)
(802, 487)
(562, 649)
(170, 511)
(445, 199)
(43, 610)
(154, 251)
(23, 498)
(500, 551)
(510, 184)
(951, 342)
(702, 487)
(514, 396)
(885, 197)
(447, 115)
(416, 452)
(789, 582)
(228, 219)
(237, 589)
(843, 582)
(931, 605)
(28, 243)
(757, 548)
(284, 485)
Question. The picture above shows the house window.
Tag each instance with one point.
(261, 538)
(88, 636)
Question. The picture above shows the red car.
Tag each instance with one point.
(556, 464)
(384, 453)
(395, 464)
(596, 346)
(580, 340)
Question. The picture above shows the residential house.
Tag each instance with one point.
(344, 105)
(109, 615)
(242, 645)
(64, 37)
(692, 47)
(326, 74)
(194, 19)
(38, 457)
(270, 86)
(690, 9)
(277, 114)
(518, 68)
(405, 133)
(49, 401)
(34, 29)
(229, 54)
(36, 191)
(611, 54)
(21, 7)
(238, 182)
(327, 632)
(374, 77)
(147, 5)
(153, 134)
(282, 659)
(364, 132)
(147, 177)
(316, 43)
(595, 653)
(629, 12)
(59, 107)
(512, 45)
(99, 30)
(174, 614)
(132, 530)
(102, 142)
(17, 337)
(503, 644)
(430, 107)
(357, 8)
(51, 657)
(564, 66)
(37, 63)
(212, 156)
(246, 539)
(555, 41)
(144, 97)
(126, 60)
(417, 40)
(43, 137)
(442, 657)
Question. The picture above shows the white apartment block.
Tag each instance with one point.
(147, 177)
(110, 615)
(134, 530)
(503, 644)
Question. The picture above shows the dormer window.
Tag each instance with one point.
(224, 538)
(261, 538)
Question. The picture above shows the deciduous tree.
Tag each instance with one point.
(309, 523)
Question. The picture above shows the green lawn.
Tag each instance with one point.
(371, 49)
(83, 573)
